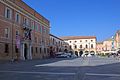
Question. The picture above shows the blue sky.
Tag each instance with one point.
(100, 18)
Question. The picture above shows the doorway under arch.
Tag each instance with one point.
(86, 52)
(25, 51)
(80, 53)
(92, 52)
(76, 53)
(65, 50)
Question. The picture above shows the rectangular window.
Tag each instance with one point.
(44, 50)
(32, 25)
(36, 27)
(32, 50)
(40, 50)
(28, 22)
(6, 33)
(25, 21)
(6, 48)
(17, 18)
(8, 13)
(40, 28)
(45, 30)
(16, 49)
(36, 50)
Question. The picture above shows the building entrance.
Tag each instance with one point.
(25, 51)
(80, 53)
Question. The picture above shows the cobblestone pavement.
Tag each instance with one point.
(91, 68)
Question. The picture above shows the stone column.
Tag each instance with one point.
(29, 51)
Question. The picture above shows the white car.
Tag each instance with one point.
(68, 54)
(62, 55)
(89, 55)
(84, 55)
(58, 53)
(73, 56)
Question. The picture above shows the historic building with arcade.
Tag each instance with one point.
(81, 44)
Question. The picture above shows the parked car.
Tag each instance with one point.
(89, 55)
(63, 55)
(84, 55)
(58, 54)
(68, 54)
(73, 56)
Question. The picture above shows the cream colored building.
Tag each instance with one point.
(81, 44)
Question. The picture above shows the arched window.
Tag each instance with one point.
(53, 41)
(91, 45)
(70, 47)
(65, 46)
(91, 40)
(75, 47)
(80, 46)
(86, 46)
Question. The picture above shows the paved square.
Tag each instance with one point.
(91, 68)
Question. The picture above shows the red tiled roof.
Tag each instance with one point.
(78, 37)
